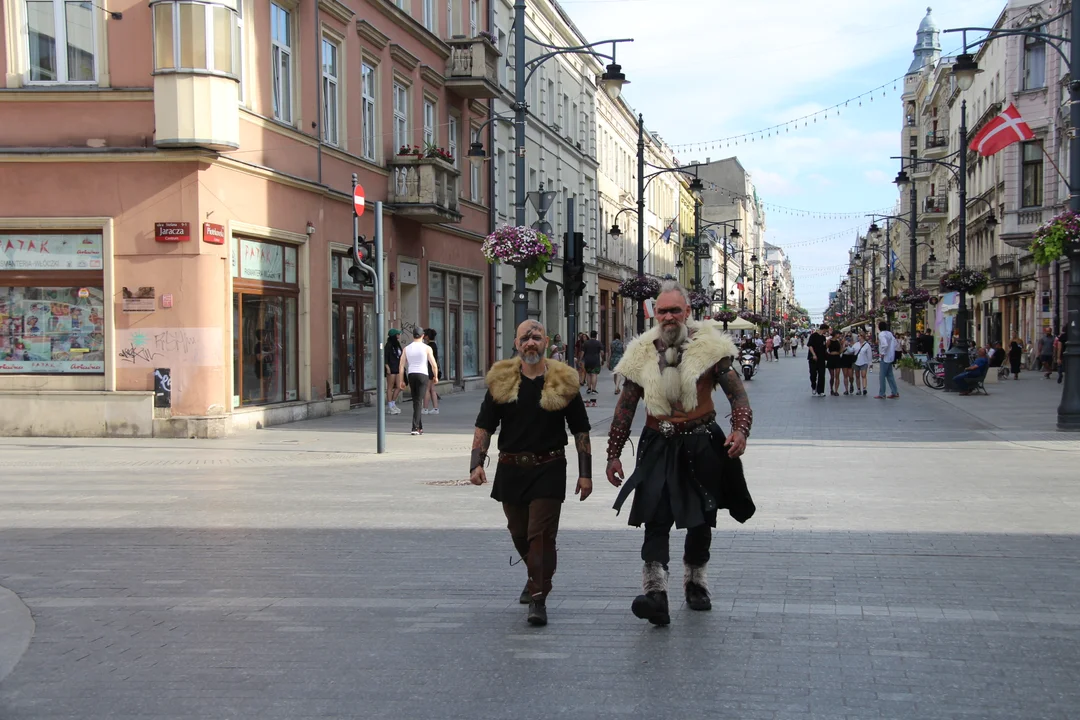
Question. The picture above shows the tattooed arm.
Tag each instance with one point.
(584, 454)
(742, 417)
(480, 444)
(620, 430)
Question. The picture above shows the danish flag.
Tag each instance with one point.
(1001, 132)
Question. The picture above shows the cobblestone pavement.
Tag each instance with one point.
(908, 560)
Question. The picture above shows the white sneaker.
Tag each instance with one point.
(394, 410)
(435, 411)
(425, 411)
(415, 432)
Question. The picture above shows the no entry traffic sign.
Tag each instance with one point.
(358, 200)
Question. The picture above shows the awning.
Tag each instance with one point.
(737, 324)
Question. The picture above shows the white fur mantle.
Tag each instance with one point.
(641, 365)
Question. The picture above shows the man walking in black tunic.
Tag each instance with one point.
(534, 401)
(686, 468)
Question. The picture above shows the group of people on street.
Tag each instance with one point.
(416, 367)
(687, 468)
(844, 362)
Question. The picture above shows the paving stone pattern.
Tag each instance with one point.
(905, 562)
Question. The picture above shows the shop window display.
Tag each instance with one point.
(52, 330)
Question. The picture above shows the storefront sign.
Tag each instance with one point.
(261, 261)
(50, 252)
(172, 231)
(51, 366)
(213, 234)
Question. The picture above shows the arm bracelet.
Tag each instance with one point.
(742, 418)
(616, 442)
(477, 459)
(584, 461)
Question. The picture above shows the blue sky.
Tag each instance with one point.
(701, 70)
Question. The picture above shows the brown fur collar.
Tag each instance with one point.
(560, 383)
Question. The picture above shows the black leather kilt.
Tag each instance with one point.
(699, 476)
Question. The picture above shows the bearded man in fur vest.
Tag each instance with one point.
(686, 468)
(534, 401)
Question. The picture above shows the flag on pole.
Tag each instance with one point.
(894, 259)
(1001, 132)
(739, 284)
(666, 237)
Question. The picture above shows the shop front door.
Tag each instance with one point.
(348, 348)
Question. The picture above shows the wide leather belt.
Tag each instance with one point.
(528, 459)
(667, 428)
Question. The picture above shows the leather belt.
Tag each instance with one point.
(667, 428)
(528, 459)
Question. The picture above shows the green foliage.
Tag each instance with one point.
(908, 363)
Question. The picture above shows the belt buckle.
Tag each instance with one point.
(667, 428)
(527, 460)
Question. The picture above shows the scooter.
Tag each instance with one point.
(748, 360)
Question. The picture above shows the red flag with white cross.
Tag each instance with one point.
(1001, 132)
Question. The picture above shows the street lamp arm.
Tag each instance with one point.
(993, 33)
(534, 64)
(877, 217)
(955, 169)
(686, 169)
(505, 118)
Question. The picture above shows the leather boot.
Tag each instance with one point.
(526, 597)
(653, 604)
(537, 611)
(696, 587)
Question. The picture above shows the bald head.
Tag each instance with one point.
(531, 341)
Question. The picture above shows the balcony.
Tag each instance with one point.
(935, 207)
(473, 69)
(937, 143)
(920, 170)
(1021, 224)
(424, 190)
(1004, 268)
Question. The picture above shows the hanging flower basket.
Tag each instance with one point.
(916, 296)
(751, 317)
(699, 300)
(966, 280)
(726, 315)
(640, 287)
(890, 304)
(519, 247)
(1053, 240)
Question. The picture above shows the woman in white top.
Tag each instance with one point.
(415, 361)
(864, 355)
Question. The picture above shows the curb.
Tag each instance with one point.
(16, 629)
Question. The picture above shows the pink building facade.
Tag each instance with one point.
(176, 191)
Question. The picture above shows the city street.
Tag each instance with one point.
(910, 558)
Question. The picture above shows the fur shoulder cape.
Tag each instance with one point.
(641, 365)
(560, 383)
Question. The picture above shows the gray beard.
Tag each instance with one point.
(673, 337)
(530, 358)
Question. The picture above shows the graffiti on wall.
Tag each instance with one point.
(172, 347)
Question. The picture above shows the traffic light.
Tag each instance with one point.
(574, 265)
(363, 252)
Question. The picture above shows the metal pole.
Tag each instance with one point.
(742, 276)
(640, 215)
(888, 265)
(958, 354)
(521, 299)
(570, 297)
(697, 247)
(725, 291)
(380, 329)
(1069, 410)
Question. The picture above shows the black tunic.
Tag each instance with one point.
(527, 427)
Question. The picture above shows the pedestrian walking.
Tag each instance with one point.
(432, 396)
(847, 364)
(794, 346)
(776, 343)
(768, 349)
(887, 351)
(1016, 355)
(413, 366)
(391, 365)
(1046, 353)
(686, 468)
(816, 357)
(557, 351)
(617, 349)
(592, 357)
(531, 402)
(1059, 354)
(834, 363)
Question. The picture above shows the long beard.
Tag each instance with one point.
(673, 336)
(530, 358)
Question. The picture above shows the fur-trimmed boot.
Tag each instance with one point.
(653, 604)
(696, 586)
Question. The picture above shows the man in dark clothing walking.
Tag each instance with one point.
(816, 357)
(593, 359)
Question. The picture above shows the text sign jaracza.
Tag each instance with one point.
(172, 231)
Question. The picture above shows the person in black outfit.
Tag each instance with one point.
(533, 401)
(592, 357)
(1016, 354)
(432, 396)
(816, 355)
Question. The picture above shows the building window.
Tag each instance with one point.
(281, 53)
(238, 51)
(1031, 178)
(265, 337)
(429, 123)
(330, 91)
(52, 304)
(452, 138)
(474, 17)
(191, 36)
(454, 314)
(401, 115)
(451, 17)
(367, 111)
(1034, 63)
(61, 41)
(429, 14)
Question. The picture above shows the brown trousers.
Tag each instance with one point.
(533, 528)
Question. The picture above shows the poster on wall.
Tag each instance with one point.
(140, 299)
(261, 261)
(22, 251)
(51, 330)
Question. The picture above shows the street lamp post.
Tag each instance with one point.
(612, 81)
(735, 235)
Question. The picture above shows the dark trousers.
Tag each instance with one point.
(533, 528)
(655, 548)
(418, 383)
(965, 381)
(817, 375)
